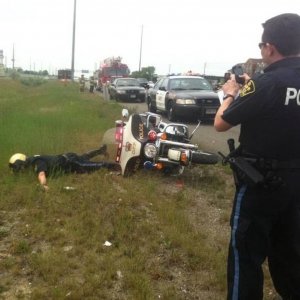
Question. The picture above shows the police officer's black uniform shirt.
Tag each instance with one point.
(268, 109)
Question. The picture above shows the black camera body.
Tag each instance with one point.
(237, 70)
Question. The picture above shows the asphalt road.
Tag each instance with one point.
(206, 136)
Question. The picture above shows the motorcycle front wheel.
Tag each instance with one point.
(204, 158)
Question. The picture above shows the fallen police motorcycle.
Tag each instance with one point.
(143, 140)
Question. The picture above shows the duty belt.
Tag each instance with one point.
(275, 164)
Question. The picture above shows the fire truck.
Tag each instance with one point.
(110, 68)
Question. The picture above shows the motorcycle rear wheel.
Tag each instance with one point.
(204, 158)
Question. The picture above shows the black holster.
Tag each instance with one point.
(244, 172)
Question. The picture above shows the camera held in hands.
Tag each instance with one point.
(237, 70)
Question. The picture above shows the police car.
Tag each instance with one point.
(126, 89)
(183, 96)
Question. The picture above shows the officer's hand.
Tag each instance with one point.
(246, 77)
(231, 87)
(46, 187)
(42, 187)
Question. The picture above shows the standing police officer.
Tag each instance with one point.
(265, 219)
(92, 84)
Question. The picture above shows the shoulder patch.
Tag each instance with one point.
(248, 88)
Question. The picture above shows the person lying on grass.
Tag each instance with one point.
(45, 165)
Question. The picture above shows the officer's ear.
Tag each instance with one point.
(272, 50)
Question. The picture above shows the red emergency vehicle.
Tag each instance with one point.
(110, 68)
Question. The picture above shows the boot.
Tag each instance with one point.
(101, 151)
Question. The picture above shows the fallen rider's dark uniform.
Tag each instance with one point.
(69, 163)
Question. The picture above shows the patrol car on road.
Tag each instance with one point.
(184, 96)
(126, 89)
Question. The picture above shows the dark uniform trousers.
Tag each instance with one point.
(81, 164)
(265, 223)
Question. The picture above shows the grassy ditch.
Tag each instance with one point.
(144, 237)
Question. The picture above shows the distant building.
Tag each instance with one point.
(254, 65)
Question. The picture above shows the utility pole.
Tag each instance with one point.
(73, 42)
(13, 57)
(141, 46)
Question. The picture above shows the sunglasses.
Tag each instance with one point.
(260, 45)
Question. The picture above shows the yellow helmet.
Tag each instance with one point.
(17, 161)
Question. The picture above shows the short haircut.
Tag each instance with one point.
(283, 31)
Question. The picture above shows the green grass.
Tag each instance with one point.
(48, 118)
(169, 235)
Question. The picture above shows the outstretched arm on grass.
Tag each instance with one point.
(43, 180)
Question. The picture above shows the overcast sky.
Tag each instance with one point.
(202, 36)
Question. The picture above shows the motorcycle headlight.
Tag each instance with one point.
(150, 150)
(185, 101)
